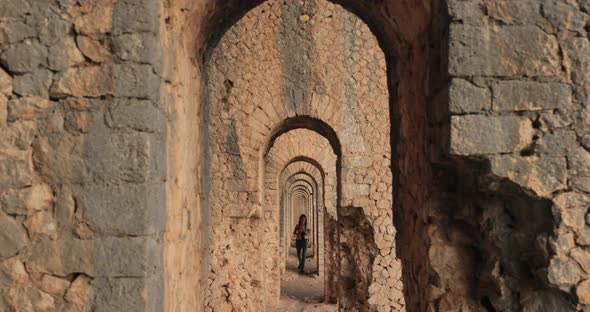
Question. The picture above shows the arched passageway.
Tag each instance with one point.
(295, 162)
(314, 81)
(133, 136)
(415, 84)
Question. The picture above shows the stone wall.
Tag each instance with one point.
(507, 218)
(82, 157)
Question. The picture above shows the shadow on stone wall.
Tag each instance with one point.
(490, 244)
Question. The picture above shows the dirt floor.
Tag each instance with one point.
(302, 292)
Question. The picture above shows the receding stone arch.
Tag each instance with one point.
(359, 140)
(343, 109)
(307, 182)
(326, 199)
(296, 155)
(401, 28)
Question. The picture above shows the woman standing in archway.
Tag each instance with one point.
(301, 232)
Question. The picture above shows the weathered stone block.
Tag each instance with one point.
(564, 15)
(84, 81)
(582, 184)
(12, 271)
(26, 298)
(80, 295)
(12, 237)
(24, 57)
(54, 285)
(572, 208)
(15, 170)
(64, 54)
(478, 134)
(130, 16)
(12, 31)
(129, 294)
(19, 134)
(582, 122)
(77, 121)
(108, 257)
(140, 48)
(562, 244)
(130, 209)
(28, 108)
(128, 257)
(559, 143)
(357, 162)
(5, 82)
(14, 9)
(63, 257)
(467, 12)
(583, 238)
(529, 95)
(564, 273)
(502, 51)
(12, 204)
(577, 61)
(41, 224)
(96, 22)
(558, 119)
(243, 211)
(59, 159)
(543, 175)
(129, 157)
(465, 97)
(93, 49)
(579, 162)
(139, 115)
(38, 197)
(132, 80)
(35, 83)
(514, 12)
(582, 257)
(354, 189)
(52, 27)
(583, 292)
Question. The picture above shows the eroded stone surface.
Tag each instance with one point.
(472, 135)
(102, 102)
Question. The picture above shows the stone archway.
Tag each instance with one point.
(227, 19)
(105, 150)
(246, 121)
(410, 33)
(303, 152)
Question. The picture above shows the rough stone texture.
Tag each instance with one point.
(92, 49)
(12, 237)
(468, 98)
(543, 175)
(530, 96)
(476, 135)
(24, 57)
(502, 51)
(54, 245)
(495, 225)
(530, 55)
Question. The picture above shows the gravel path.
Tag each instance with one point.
(302, 292)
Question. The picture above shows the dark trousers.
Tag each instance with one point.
(301, 245)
